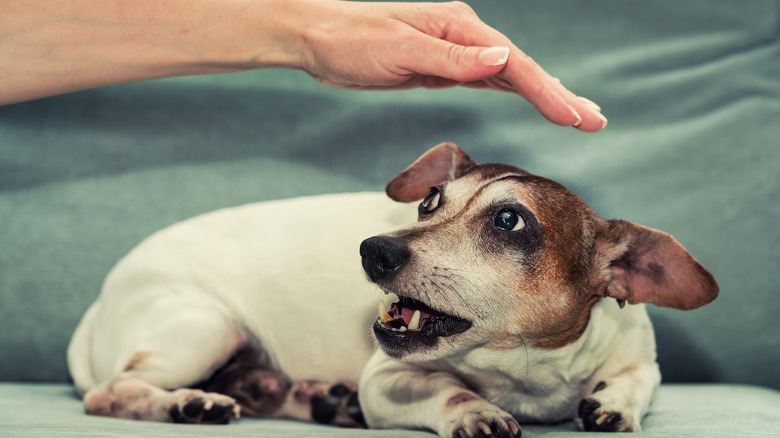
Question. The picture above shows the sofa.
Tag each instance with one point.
(692, 93)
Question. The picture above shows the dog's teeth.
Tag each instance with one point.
(414, 323)
(389, 299)
(384, 317)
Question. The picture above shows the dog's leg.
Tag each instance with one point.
(324, 402)
(263, 392)
(132, 397)
(617, 404)
(398, 395)
(160, 357)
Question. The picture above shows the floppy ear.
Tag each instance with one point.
(643, 265)
(440, 164)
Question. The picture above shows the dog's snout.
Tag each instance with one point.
(382, 255)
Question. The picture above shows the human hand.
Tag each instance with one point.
(432, 45)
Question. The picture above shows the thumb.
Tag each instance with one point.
(461, 63)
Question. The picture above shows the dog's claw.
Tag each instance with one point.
(514, 428)
(485, 428)
(204, 409)
(498, 429)
(594, 419)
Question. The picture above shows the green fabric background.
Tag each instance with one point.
(691, 89)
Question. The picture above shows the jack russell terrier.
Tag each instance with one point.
(508, 301)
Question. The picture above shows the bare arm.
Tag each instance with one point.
(50, 47)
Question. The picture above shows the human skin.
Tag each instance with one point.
(50, 47)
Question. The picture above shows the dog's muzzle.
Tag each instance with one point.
(382, 255)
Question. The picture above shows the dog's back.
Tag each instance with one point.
(268, 276)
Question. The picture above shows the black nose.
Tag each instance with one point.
(382, 255)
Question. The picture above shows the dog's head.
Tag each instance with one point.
(503, 258)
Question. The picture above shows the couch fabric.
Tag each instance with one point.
(692, 93)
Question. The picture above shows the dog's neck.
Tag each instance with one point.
(510, 376)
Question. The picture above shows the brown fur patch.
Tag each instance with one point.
(135, 362)
(572, 332)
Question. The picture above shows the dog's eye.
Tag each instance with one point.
(508, 220)
(431, 201)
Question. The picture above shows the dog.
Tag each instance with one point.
(503, 299)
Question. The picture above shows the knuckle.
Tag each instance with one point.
(456, 54)
(461, 7)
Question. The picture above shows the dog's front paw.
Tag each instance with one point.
(593, 417)
(479, 418)
(198, 407)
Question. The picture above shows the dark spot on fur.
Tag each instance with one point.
(353, 401)
(527, 241)
(354, 411)
(460, 398)
(248, 378)
(321, 410)
(656, 273)
(339, 390)
(599, 386)
(587, 407)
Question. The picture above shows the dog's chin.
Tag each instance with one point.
(409, 327)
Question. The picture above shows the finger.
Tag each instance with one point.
(522, 75)
(590, 113)
(553, 100)
(592, 119)
(440, 58)
(543, 92)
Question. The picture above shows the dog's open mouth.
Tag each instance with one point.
(406, 323)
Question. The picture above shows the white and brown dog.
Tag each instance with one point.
(496, 310)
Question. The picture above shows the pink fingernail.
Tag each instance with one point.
(493, 56)
(577, 115)
(603, 120)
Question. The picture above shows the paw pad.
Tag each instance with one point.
(339, 407)
(202, 410)
(597, 420)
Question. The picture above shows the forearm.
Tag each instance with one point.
(49, 47)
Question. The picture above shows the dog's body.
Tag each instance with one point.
(494, 310)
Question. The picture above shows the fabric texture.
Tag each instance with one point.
(713, 411)
(692, 94)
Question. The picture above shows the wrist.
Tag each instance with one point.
(247, 34)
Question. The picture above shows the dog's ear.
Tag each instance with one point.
(643, 265)
(440, 164)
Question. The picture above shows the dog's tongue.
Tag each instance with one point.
(407, 313)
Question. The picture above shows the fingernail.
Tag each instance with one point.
(589, 103)
(577, 115)
(493, 56)
(603, 120)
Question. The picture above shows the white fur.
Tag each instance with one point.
(287, 274)
(195, 290)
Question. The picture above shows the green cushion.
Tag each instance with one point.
(691, 90)
(713, 411)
